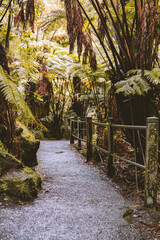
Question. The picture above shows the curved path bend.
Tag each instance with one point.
(77, 202)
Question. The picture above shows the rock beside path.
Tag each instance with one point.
(23, 185)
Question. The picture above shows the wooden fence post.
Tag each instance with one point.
(82, 129)
(89, 138)
(110, 169)
(66, 127)
(79, 133)
(151, 171)
(71, 130)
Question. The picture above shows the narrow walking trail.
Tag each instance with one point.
(77, 202)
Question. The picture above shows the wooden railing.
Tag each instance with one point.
(81, 130)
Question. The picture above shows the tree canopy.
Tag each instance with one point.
(117, 59)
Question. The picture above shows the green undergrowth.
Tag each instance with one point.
(28, 145)
(8, 161)
(18, 179)
(36, 132)
(23, 131)
(22, 185)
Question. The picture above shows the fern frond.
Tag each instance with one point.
(134, 72)
(11, 93)
(75, 69)
(98, 74)
(138, 83)
(153, 76)
(134, 85)
(52, 18)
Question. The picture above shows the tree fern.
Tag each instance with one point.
(138, 82)
(153, 76)
(11, 93)
(83, 71)
(52, 20)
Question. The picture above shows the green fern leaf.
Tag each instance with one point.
(134, 85)
(53, 19)
(11, 93)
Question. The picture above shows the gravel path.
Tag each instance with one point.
(77, 202)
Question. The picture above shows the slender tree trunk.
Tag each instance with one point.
(8, 32)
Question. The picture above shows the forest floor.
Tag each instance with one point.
(77, 202)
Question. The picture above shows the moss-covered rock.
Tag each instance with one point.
(17, 181)
(7, 161)
(28, 144)
(29, 151)
(23, 185)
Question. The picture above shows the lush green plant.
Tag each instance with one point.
(11, 93)
(138, 82)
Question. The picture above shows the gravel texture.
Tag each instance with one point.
(77, 202)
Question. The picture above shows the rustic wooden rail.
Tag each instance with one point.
(151, 154)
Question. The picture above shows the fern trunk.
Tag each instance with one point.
(134, 111)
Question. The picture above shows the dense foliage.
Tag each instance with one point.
(115, 71)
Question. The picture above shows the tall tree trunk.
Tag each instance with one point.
(8, 31)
